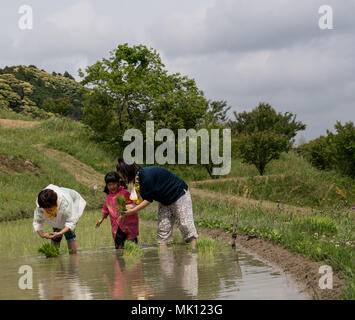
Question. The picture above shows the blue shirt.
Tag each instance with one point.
(159, 184)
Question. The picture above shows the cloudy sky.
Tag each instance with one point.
(242, 51)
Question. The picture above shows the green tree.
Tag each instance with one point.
(260, 147)
(263, 134)
(319, 152)
(343, 144)
(131, 87)
(334, 151)
(68, 75)
(61, 106)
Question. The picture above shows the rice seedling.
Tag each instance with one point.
(205, 245)
(49, 250)
(132, 249)
(121, 202)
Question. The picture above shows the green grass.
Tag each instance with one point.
(49, 250)
(315, 225)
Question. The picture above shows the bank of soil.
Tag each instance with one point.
(303, 272)
(10, 164)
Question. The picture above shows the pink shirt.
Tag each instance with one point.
(129, 225)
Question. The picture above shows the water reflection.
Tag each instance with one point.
(128, 282)
(165, 273)
(63, 283)
(180, 277)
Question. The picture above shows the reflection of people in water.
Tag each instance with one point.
(179, 274)
(64, 285)
(128, 283)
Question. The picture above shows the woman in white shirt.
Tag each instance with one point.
(61, 208)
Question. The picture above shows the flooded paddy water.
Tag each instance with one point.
(171, 273)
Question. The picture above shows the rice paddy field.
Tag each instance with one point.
(33, 157)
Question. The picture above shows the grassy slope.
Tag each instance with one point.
(293, 180)
(19, 190)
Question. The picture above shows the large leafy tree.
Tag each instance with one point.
(263, 134)
(131, 87)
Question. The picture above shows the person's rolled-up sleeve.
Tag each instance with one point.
(38, 219)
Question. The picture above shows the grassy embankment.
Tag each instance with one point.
(327, 234)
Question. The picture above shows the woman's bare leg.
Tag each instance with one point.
(73, 247)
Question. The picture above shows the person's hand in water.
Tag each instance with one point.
(55, 235)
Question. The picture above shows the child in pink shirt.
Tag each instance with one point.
(126, 228)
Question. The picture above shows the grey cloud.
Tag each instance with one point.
(242, 51)
(248, 25)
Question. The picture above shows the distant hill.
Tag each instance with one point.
(37, 93)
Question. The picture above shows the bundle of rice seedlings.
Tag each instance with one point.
(205, 245)
(121, 202)
(132, 249)
(49, 250)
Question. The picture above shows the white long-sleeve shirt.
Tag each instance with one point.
(71, 206)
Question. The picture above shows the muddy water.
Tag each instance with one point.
(174, 273)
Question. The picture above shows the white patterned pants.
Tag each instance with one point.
(181, 212)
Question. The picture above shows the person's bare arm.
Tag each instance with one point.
(60, 233)
(43, 234)
(137, 208)
(103, 217)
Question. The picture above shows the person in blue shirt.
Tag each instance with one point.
(159, 184)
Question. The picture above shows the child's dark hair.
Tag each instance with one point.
(112, 177)
(47, 198)
(127, 171)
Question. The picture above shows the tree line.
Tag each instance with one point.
(132, 86)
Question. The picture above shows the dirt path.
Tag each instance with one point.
(81, 171)
(304, 272)
(197, 183)
(11, 124)
(241, 202)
